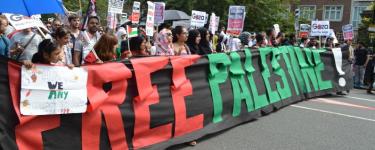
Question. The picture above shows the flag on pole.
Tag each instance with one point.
(132, 32)
(91, 11)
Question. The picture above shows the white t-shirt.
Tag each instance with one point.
(31, 49)
(86, 44)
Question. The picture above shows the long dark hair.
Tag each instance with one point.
(193, 34)
(60, 33)
(136, 42)
(45, 47)
(177, 31)
(204, 45)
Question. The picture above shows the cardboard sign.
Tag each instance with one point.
(159, 12)
(115, 6)
(136, 12)
(304, 30)
(198, 18)
(48, 90)
(320, 28)
(236, 19)
(347, 31)
(150, 19)
(20, 22)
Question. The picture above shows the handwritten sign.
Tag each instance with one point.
(150, 19)
(47, 90)
(115, 6)
(159, 12)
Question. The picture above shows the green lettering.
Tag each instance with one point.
(283, 92)
(307, 69)
(52, 94)
(260, 100)
(273, 95)
(319, 66)
(238, 85)
(284, 50)
(218, 74)
(66, 94)
(60, 94)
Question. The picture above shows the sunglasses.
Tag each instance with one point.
(169, 34)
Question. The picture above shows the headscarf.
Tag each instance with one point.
(163, 46)
(244, 37)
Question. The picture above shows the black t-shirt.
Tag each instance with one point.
(360, 56)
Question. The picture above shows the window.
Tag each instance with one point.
(356, 20)
(333, 12)
(308, 12)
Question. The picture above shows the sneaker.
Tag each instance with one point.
(340, 93)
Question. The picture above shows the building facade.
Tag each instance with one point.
(338, 12)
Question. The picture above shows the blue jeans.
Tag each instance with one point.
(359, 73)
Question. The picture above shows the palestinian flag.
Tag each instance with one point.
(132, 31)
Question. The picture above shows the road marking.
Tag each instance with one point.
(335, 102)
(334, 113)
(362, 99)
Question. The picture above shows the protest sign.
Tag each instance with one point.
(150, 19)
(159, 12)
(320, 28)
(47, 90)
(214, 23)
(276, 28)
(347, 31)
(115, 6)
(136, 12)
(304, 30)
(198, 18)
(236, 19)
(20, 22)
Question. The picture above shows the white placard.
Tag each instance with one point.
(150, 19)
(198, 18)
(136, 12)
(277, 29)
(214, 23)
(320, 28)
(115, 6)
(20, 22)
(49, 90)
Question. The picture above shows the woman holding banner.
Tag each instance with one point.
(62, 37)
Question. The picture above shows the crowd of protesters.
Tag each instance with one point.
(67, 44)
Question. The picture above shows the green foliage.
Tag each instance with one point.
(261, 14)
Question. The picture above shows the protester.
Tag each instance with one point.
(370, 73)
(4, 41)
(164, 46)
(193, 41)
(304, 42)
(252, 40)
(105, 49)
(313, 43)
(204, 44)
(56, 24)
(271, 34)
(260, 41)
(180, 36)
(62, 37)
(49, 52)
(245, 38)
(234, 44)
(87, 40)
(138, 46)
(280, 39)
(221, 47)
(25, 44)
(360, 55)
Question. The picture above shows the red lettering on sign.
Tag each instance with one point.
(148, 95)
(181, 88)
(106, 103)
(29, 130)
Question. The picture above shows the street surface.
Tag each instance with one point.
(327, 123)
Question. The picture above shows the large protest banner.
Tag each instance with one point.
(236, 20)
(156, 102)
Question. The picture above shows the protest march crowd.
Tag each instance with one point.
(66, 44)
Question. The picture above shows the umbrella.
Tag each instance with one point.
(31, 7)
(175, 15)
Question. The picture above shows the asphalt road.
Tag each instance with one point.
(326, 123)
